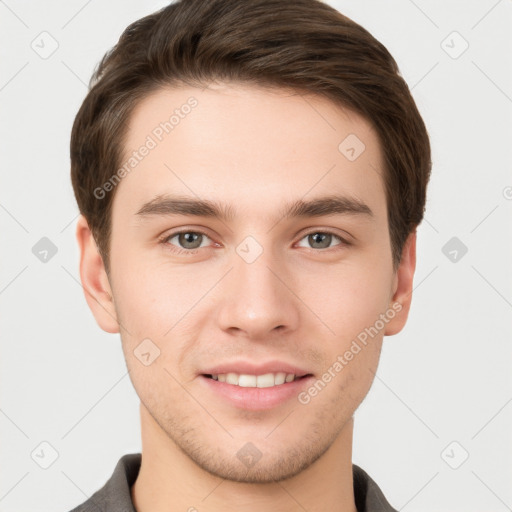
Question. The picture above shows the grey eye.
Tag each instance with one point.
(320, 240)
(188, 239)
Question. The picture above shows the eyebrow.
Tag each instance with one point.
(321, 206)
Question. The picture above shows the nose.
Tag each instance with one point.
(258, 298)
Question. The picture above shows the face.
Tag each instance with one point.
(245, 279)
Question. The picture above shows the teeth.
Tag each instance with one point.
(232, 378)
(255, 381)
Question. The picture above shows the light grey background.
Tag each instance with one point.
(446, 378)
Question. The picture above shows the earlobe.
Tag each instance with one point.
(95, 283)
(403, 285)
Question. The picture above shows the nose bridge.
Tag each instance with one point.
(256, 300)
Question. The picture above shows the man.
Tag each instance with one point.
(250, 176)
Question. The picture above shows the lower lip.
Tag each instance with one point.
(257, 399)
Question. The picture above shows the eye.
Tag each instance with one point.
(322, 240)
(189, 242)
(186, 241)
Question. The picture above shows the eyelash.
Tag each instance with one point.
(190, 252)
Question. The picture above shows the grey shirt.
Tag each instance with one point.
(115, 496)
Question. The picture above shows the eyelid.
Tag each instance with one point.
(343, 235)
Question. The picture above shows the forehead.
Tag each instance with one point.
(247, 145)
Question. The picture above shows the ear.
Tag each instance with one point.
(95, 283)
(402, 287)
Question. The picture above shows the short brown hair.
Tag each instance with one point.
(304, 45)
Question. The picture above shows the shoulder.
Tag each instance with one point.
(115, 495)
(368, 496)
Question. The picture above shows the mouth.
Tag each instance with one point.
(266, 380)
(254, 392)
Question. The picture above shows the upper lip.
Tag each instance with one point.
(248, 368)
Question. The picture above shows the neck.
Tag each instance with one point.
(170, 481)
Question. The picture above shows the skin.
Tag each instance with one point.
(255, 149)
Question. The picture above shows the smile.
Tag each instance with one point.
(243, 380)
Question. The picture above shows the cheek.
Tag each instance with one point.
(164, 305)
(348, 298)
(155, 383)
(153, 297)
